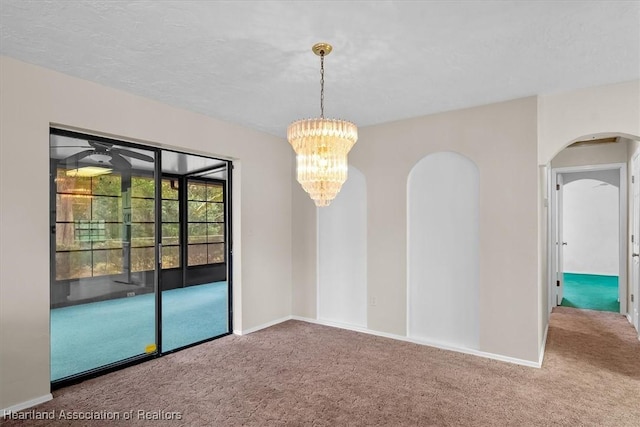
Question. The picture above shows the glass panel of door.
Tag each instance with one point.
(103, 272)
(195, 302)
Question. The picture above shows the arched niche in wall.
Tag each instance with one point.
(443, 245)
(342, 254)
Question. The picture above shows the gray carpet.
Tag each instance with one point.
(297, 373)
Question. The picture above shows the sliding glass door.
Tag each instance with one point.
(140, 253)
(104, 258)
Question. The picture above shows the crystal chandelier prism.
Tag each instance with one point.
(321, 146)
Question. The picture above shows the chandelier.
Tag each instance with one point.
(321, 146)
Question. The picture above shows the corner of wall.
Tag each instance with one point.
(304, 253)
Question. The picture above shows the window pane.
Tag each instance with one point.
(216, 253)
(71, 208)
(170, 256)
(215, 212)
(196, 191)
(170, 211)
(70, 265)
(107, 208)
(170, 234)
(71, 184)
(142, 259)
(170, 189)
(197, 233)
(93, 232)
(106, 185)
(66, 238)
(80, 206)
(197, 254)
(142, 187)
(107, 262)
(142, 235)
(215, 233)
(214, 192)
(197, 212)
(113, 237)
(142, 210)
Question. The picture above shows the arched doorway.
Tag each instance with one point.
(594, 154)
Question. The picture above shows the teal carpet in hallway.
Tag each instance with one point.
(591, 291)
(91, 335)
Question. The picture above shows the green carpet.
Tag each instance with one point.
(591, 291)
(88, 336)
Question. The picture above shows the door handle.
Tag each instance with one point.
(635, 255)
(564, 243)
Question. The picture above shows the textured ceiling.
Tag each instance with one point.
(251, 62)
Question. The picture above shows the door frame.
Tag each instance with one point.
(558, 214)
(623, 235)
(634, 285)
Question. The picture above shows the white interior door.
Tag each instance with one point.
(559, 241)
(635, 230)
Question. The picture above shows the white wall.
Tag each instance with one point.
(33, 98)
(501, 140)
(591, 227)
(443, 236)
(342, 255)
(567, 117)
(591, 155)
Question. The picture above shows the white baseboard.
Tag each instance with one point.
(263, 326)
(543, 346)
(25, 405)
(442, 346)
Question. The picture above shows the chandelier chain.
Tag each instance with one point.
(322, 84)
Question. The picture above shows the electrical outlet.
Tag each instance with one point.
(373, 301)
(131, 294)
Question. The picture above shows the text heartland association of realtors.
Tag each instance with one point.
(93, 415)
